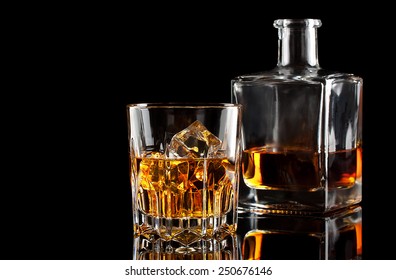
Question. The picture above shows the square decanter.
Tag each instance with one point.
(301, 130)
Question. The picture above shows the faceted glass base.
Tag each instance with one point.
(186, 232)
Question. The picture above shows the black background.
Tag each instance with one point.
(65, 191)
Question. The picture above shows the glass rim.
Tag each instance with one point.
(176, 105)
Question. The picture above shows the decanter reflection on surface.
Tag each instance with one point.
(302, 130)
(336, 235)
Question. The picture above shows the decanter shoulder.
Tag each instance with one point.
(328, 75)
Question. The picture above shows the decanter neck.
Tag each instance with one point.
(297, 43)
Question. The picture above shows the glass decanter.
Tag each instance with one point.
(302, 130)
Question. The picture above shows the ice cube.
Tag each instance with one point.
(195, 141)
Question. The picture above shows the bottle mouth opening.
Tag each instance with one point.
(297, 23)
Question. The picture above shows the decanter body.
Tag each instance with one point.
(302, 130)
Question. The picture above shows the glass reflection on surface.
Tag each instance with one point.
(224, 249)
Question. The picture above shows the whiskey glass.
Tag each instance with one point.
(184, 168)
